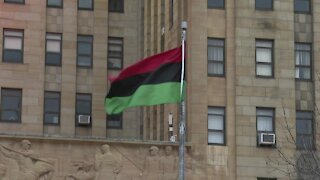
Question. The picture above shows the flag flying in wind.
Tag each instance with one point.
(151, 81)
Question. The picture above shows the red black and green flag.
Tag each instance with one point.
(151, 81)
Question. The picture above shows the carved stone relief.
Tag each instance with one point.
(28, 166)
(77, 161)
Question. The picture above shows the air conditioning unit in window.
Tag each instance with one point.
(84, 119)
(266, 139)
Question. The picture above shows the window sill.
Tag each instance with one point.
(8, 121)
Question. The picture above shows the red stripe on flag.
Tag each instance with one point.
(150, 64)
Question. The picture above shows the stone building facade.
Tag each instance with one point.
(252, 69)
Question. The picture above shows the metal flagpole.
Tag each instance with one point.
(182, 126)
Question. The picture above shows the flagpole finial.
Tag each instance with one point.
(184, 25)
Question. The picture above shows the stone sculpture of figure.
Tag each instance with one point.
(107, 164)
(169, 164)
(152, 165)
(85, 171)
(30, 166)
(3, 171)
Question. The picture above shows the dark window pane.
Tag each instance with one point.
(116, 5)
(304, 142)
(85, 4)
(51, 118)
(265, 118)
(304, 115)
(304, 126)
(14, 56)
(83, 104)
(114, 121)
(264, 4)
(84, 61)
(83, 107)
(304, 129)
(115, 53)
(14, 1)
(84, 48)
(84, 51)
(114, 63)
(52, 105)
(215, 3)
(11, 102)
(10, 115)
(216, 128)
(215, 56)
(302, 6)
(53, 59)
(83, 38)
(55, 3)
(83, 97)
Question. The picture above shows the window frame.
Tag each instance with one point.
(20, 102)
(121, 10)
(122, 53)
(310, 67)
(60, 54)
(273, 119)
(13, 2)
(171, 13)
(86, 9)
(264, 9)
(265, 63)
(302, 12)
(91, 53)
(265, 178)
(54, 6)
(215, 130)
(87, 114)
(216, 7)
(51, 112)
(22, 45)
(223, 62)
(120, 119)
(312, 135)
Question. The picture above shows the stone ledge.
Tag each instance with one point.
(88, 139)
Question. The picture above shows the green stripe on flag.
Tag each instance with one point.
(145, 95)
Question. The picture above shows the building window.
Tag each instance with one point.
(83, 107)
(216, 4)
(14, 1)
(302, 6)
(11, 100)
(13, 46)
(304, 130)
(216, 125)
(53, 49)
(116, 6)
(114, 121)
(115, 53)
(303, 61)
(265, 120)
(216, 57)
(52, 108)
(85, 51)
(264, 178)
(170, 13)
(264, 4)
(85, 4)
(55, 3)
(264, 58)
